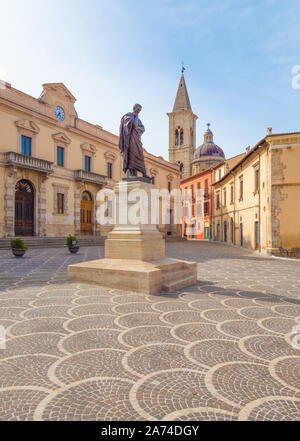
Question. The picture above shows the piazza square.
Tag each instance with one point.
(219, 350)
(149, 217)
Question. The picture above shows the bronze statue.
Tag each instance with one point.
(130, 144)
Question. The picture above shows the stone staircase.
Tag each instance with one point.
(54, 242)
(178, 275)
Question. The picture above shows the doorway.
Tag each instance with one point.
(86, 214)
(206, 233)
(24, 208)
(256, 234)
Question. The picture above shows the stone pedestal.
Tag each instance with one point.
(135, 249)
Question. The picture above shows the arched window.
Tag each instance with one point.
(86, 196)
(181, 136)
(24, 186)
(176, 137)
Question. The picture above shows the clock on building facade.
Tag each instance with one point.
(59, 113)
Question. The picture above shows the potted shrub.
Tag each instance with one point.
(18, 247)
(71, 243)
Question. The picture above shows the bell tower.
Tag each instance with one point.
(182, 130)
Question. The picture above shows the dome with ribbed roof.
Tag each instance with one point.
(209, 148)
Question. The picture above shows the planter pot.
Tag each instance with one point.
(74, 250)
(17, 252)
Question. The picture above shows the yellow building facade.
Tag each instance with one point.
(52, 165)
(256, 198)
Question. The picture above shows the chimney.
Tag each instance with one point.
(248, 149)
(269, 130)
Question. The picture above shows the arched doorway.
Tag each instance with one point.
(231, 230)
(24, 208)
(241, 235)
(86, 213)
(225, 231)
(218, 232)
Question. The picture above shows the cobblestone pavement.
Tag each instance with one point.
(220, 350)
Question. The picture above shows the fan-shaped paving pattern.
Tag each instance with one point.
(220, 350)
(89, 364)
(99, 399)
(287, 371)
(273, 409)
(168, 391)
(152, 358)
(139, 319)
(239, 383)
(267, 347)
(92, 339)
(29, 370)
(20, 404)
(211, 352)
(91, 322)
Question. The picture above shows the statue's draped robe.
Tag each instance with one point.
(130, 144)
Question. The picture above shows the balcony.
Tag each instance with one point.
(29, 162)
(94, 178)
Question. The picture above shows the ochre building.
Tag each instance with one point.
(52, 165)
(257, 199)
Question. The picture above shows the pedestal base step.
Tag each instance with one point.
(175, 285)
(136, 275)
(180, 275)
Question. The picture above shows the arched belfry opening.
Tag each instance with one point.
(181, 136)
(176, 137)
(24, 208)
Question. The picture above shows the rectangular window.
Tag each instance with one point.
(26, 145)
(206, 208)
(206, 188)
(169, 186)
(231, 194)
(241, 189)
(218, 201)
(60, 203)
(256, 180)
(87, 163)
(109, 170)
(60, 156)
(199, 210)
(224, 197)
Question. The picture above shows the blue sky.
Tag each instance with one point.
(112, 53)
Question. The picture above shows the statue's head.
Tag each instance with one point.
(137, 108)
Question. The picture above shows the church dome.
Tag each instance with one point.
(209, 148)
